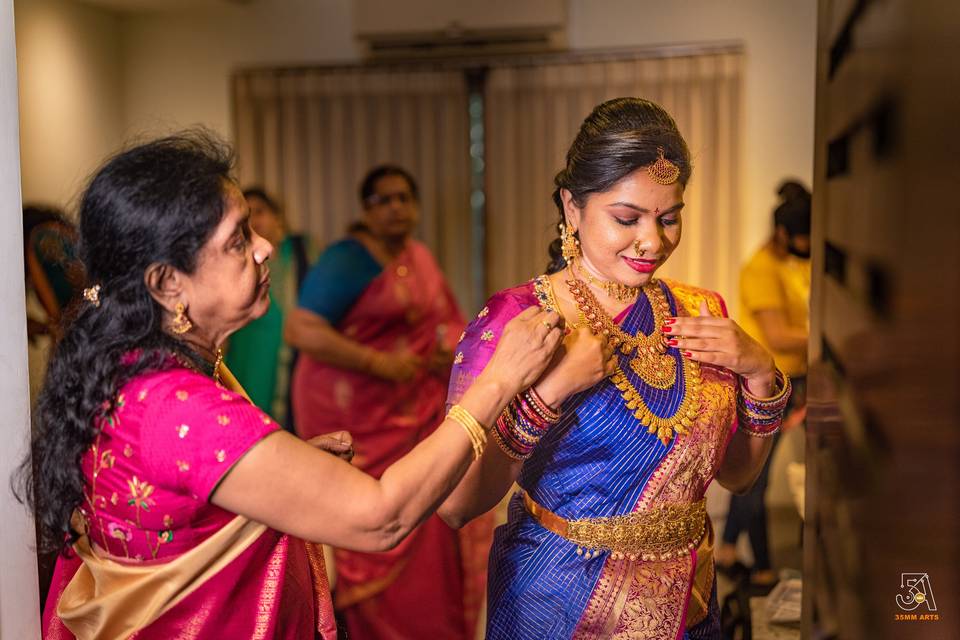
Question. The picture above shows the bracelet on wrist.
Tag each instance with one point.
(473, 428)
(520, 427)
(762, 417)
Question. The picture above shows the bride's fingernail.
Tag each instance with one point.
(666, 329)
(670, 321)
(673, 342)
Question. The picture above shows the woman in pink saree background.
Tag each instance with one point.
(181, 510)
(376, 327)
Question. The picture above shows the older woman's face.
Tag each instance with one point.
(629, 231)
(392, 211)
(231, 284)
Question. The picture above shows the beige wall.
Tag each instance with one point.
(178, 65)
(70, 68)
(780, 41)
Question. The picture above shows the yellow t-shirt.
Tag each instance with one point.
(768, 282)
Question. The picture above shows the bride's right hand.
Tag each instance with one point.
(525, 349)
(584, 360)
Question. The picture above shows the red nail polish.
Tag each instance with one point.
(670, 321)
(687, 354)
(666, 329)
(673, 342)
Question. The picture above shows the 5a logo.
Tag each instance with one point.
(915, 590)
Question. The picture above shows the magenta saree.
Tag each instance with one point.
(159, 560)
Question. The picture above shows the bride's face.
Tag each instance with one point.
(628, 231)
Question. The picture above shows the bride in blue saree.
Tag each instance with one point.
(608, 535)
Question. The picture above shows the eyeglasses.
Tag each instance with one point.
(376, 200)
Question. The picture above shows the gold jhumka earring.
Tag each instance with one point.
(569, 245)
(181, 323)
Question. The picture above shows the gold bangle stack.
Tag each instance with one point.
(475, 430)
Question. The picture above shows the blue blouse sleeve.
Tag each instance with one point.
(338, 279)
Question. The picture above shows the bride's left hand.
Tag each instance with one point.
(721, 342)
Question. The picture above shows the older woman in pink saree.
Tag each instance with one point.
(182, 510)
(376, 328)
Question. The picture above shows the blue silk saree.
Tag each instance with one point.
(599, 461)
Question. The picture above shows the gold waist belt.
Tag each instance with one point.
(659, 533)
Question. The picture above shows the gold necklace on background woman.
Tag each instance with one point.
(651, 363)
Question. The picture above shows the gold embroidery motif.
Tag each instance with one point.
(458, 358)
(268, 592)
(107, 459)
(651, 608)
(487, 336)
(183, 466)
(128, 451)
(484, 312)
(140, 493)
(182, 396)
(142, 395)
(608, 595)
(220, 455)
(226, 397)
(183, 430)
(223, 420)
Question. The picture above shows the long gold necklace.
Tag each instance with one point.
(594, 316)
(616, 290)
(651, 362)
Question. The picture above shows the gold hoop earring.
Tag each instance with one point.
(569, 245)
(181, 323)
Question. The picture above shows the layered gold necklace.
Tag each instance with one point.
(651, 363)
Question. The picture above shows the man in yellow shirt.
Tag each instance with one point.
(774, 294)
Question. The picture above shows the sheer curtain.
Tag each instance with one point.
(310, 135)
(533, 113)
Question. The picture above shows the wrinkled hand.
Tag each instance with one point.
(339, 443)
(525, 349)
(400, 366)
(582, 361)
(721, 342)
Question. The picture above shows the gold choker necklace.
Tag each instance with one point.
(620, 292)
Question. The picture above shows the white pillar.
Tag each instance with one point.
(19, 597)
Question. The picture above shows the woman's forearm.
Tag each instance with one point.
(314, 336)
(482, 488)
(413, 487)
(743, 461)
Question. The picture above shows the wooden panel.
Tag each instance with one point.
(883, 439)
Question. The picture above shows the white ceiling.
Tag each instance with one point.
(150, 6)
